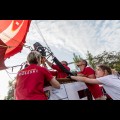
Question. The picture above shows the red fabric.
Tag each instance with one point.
(16, 31)
(3, 48)
(60, 73)
(94, 88)
(54, 73)
(30, 83)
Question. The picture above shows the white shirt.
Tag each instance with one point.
(111, 84)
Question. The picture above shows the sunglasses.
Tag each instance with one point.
(80, 65)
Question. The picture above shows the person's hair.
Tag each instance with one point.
(65, 62)
(105, 67)
(33, 57)
(85, 62)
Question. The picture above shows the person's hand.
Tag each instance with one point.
(44, 59)
(82, 75)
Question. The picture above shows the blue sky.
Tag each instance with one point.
(66, 37)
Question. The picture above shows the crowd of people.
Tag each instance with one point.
(30, 81)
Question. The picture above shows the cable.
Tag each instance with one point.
(4, 46)
(12, 69)
(9, 75)
(17, 65)
(39, 31)
(26, 46)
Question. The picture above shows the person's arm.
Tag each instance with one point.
(53, 66)
(49, 77)
(49, 63)
(92, 76)
(80, 74)
(85, 79)
(44, 65)
(45, 60)
(55, 83)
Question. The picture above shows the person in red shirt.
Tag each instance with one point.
(58, 73)
(86, 71)
(30, 81)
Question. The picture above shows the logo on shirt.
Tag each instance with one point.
(27, 72)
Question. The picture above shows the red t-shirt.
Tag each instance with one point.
(60, 73)
(94, 88)
(30, 83)
(54, 73)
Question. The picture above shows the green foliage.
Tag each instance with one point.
(76, 59)
(90, 59)
(112, 59)
(10, 95)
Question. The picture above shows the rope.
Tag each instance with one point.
(26, 46)
(12, 70)
(39, 31)
(9, 75)
(5, 46)
(17, 65)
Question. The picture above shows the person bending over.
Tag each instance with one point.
(30, 80)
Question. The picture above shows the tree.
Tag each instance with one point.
(10, 95)
(90, 59)
(76, 59)
(112, 59)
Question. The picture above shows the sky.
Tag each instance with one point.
(65, 37)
